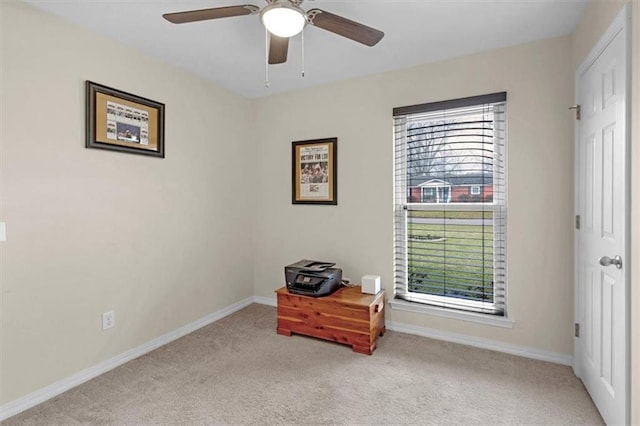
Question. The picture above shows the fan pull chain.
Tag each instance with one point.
(266, 57)
(302, 34)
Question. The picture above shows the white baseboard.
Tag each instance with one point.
(464, 339)
(265, 300)
(14, 407)
(479, 342)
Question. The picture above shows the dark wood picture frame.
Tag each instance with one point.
(314, 171)
(120, 121)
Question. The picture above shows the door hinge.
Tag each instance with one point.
(577, 221)
(578, 109)
(576, 330)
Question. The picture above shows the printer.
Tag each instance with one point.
(312, 278)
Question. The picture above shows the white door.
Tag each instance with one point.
(602, 263)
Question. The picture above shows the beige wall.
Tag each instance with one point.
(163, 242)
(595, 20)
(593, 23)
(358, 232)
(635, 217)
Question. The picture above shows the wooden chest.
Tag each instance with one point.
(347, 316)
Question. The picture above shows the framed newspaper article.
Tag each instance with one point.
(120, 121)
(314, 171)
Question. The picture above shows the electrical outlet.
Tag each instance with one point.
(108, 320)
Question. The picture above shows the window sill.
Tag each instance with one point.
(403, 305)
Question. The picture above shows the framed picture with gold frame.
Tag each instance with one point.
(120, 121)
(314, 171)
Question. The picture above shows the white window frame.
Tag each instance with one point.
(457, 307)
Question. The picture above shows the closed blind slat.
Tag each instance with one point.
(450, 210)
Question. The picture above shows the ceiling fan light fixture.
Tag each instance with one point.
(283, 19)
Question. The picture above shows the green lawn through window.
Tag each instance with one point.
(448, 257)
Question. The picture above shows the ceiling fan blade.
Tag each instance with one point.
(214, 13)
(344, 27)
(278, 49)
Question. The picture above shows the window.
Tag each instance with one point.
(449, 207)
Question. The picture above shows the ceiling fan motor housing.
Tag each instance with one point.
(294, 2)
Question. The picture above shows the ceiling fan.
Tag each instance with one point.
(284, 19)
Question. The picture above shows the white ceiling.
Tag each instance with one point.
(231, 52)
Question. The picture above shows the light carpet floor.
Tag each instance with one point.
(239, 371)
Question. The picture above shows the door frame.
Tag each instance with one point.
(620, 24)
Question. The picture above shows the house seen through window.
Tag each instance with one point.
(449, 208)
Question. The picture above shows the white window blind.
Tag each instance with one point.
(449, 208)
